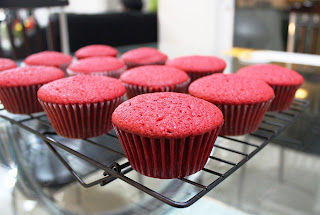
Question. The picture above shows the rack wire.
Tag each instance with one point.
(272, 125)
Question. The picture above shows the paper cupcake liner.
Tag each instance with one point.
(81, 120)
(242, 119)
(21, 100)
(113, 74)
(131, 65)
(196, 75)
(284, 96)
(134, 90)
(64, 67)
(167, 158)
(81, 58)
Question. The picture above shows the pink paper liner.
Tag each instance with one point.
(131, 65)
(21, 100)
(284, 96)
(81, 120)
(167, 158)
(196, 75)
(242, 119)
(134, 90)
(113, 74)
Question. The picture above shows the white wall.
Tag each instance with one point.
(87, 7)
(97, 6)
(195, 26)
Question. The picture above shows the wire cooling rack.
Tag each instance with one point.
(225, 149)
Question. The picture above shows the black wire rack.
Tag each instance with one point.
(272, 125)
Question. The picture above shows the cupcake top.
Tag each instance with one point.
(197, 63)
(48, 58)
(144, 55)
(81, 89)
(6, 63)
(96, 64)
(29, 75)
(154, 76)
(231, 89)
(272, 74)
(95, 51)
(167, 114)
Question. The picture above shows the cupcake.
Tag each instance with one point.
(167, 134)
(243, 101)
(6, 63)
(284, 82)
(81, 106)
(154, 78)
(19, 86)
(108, 66)
(198, 66)
(49, 58)
(143, 56)
(96, 51)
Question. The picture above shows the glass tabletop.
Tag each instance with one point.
(281, 179)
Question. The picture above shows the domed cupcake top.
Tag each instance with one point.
(97, 64)
(29, 75)
(95, 51)
(272, 74)
(197, 63)
(231, 89)
(48, 58)
(81, 89)
(167, 114)
(144, 55)
(6, 63)
(154, 75)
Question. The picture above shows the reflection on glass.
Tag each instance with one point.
(11, 178)
(301, 93)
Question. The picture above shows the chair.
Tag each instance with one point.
(304, 28)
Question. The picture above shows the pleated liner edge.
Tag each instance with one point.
(131, 65)
(112, 74)
(284, 96)
(134, 90)
(196, 75)
(81, 120)
(21, 100)
(167, 158)
(242, 119)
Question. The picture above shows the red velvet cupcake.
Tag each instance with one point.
(49, 58)
(243, 101)
(19, 86)
(108, 66)
(284, 82)
(143, 56)
(167, 134)
(198, 66)
(96, 51)
(6, 63)
(81, 106)
(154, 78)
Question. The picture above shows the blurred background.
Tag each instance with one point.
(258, 24)
(284, 178)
